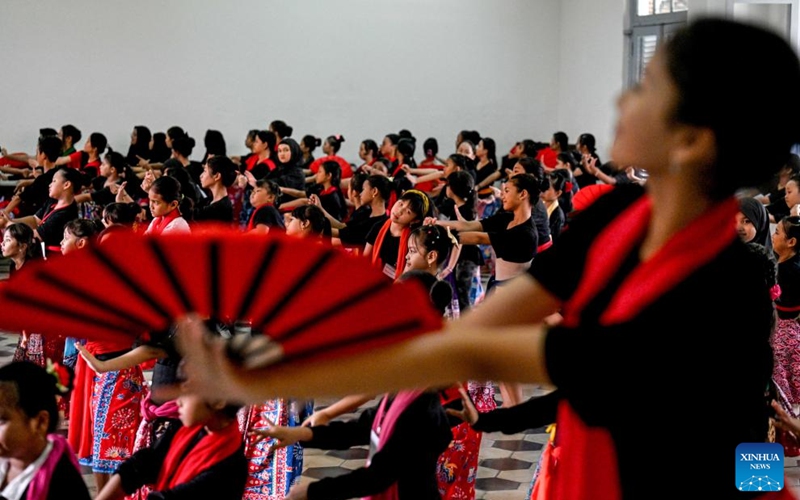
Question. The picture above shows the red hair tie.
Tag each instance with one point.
(775, 292)
(568, 186)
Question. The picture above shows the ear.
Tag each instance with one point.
(432, 257)
(40, 422)
(792, 242)
(217, 405)
(693, 146)
(80, 243)
(174, 204)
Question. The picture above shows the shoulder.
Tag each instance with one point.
(177, 226)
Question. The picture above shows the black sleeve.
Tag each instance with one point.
(103, 196)
(496, 222)
(421, 434)
(533, 413)
(333, 204)
(67, 482)
(270, 218)
(343, 435)
(517, 244)
(225, 479)
(144, 465)
(356, 233)
(557, 221)
(52, 230)
(372, 235)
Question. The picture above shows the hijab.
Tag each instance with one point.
(757, 213)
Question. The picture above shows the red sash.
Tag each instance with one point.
(180, 467)
(588, 467)
(161, 223)
(401, 251)
(384, 425)
(250, 225)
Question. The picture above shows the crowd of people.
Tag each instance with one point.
(549, 266)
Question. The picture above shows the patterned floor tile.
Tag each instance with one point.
(505, 464)
(495, 484)
(517, 445)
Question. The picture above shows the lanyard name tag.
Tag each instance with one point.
(389, 270)
(373, 445)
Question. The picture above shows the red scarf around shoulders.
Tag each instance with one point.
(401, 250)
(180, 467)
(588, 462)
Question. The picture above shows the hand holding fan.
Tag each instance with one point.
(308, 299)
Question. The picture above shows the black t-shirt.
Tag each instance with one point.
(779, 209)
(269, 216)
(332, 201)
(103, 196)
(389, 249)
(37, 195)
(484, 172)
(517, 244)
(51, 231)
(789, 280)
(542, 222)
(359, 226)
(557, 221)
(677, 361)
(220, 211)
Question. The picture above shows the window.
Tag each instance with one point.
(650, 22)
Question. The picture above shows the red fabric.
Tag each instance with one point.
(250, 225)
(428, 186)
(160, 223)
(212, 449)
(8, 162)
(75, 160)
(588, 195)
(39, 487)
(548, 157)
(588, 467)
(401, 251)
(347, 170)
(383, 426)
(252, 161)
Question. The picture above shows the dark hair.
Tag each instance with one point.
(559, 179)
(588, 141)
(430, 147)
(183, 145)
(491, 149)
(46, 132)
(793, 164)
(169, 188)
(440, 292)
(382, 184)
(117, 162)
(82, 228)
(529, 183)
(530, 148)
(280, 128)
(51, 146)
(533, 167)
(320, 225)
(143, 136)
(71, 131)
(160, 151)
(418, 201)
(99, 142)
(407, 147)
(23, 234)
(271, 186)
(562, 140)
(568, 159)
(73, 176)
(175, 132)
(434, 238)
(335, 142)
(393, 138)
(791, 226)
(251, 134)
(406, 134)
(224, 166)
(357, 181)
(473, 136)
(188, 192)
(214, 142)
(463, 162)
(269, 139)
(705, 56)
(311, 143)
(371, 146)
(334, 170)
(462, 184)
(34, 390)
(121, 213)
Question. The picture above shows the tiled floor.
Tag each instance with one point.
(506, 466)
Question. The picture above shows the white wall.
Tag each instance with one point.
(362, 68)
(591, 74)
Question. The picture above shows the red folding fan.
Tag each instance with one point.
(309, 299)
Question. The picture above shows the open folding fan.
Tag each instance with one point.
(308, 299)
